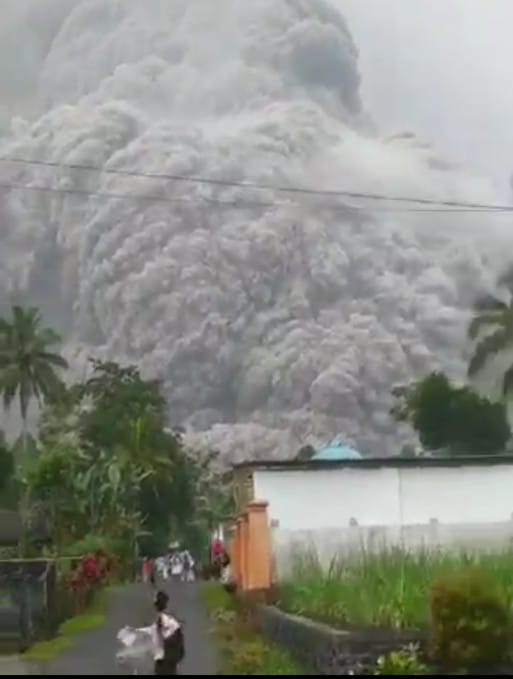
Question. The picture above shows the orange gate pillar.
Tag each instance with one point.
(243, 554)
(259, 547)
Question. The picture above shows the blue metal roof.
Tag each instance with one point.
(336, 450)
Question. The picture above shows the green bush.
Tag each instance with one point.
(216, 598)
(405, 661)
(256, 657)
(92, 543)
(471, 625)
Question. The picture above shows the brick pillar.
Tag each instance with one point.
(259, 548)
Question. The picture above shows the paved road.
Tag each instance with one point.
(185, 604)
(93, 654)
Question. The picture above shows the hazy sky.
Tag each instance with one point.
(443, 68)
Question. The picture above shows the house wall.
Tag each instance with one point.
(340, 510)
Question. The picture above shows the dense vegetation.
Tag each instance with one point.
(104, 468)
(464, 602)
(450, 419)
(455, 419)
(387, 589)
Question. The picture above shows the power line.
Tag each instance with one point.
(265, 186)
(240, 204)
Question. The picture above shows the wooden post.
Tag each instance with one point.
(259, 575)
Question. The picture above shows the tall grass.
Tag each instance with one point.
(243, 650)
(387, 589)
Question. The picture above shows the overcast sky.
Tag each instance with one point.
(443, 68)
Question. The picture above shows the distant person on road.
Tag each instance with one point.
(146, 569)
(176, 566)
(217, 552)
(188, 566)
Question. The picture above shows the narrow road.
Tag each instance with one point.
(185, 604)
(94, 653)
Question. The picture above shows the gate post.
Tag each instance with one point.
(259, 575)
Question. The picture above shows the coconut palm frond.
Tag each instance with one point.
(507, 381)
(485, 321)
(487, 348)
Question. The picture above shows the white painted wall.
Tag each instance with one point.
(340, 510)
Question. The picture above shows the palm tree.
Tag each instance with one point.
(28, 367)
(491, 330)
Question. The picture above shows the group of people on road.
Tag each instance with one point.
(177, 564)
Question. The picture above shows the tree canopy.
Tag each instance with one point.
(106, 445)
(450, 418)
(28, 367)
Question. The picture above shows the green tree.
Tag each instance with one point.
(83, 492)
(121, 398)
(116, 421)
(491, 329)
(28, 367)
(452, 419)
(8, 490)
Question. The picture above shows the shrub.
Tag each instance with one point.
(405, 661)
(258, 658)
(87, 577)
(470, 623)
(216, 598)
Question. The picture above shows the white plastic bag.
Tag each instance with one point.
(136, 656)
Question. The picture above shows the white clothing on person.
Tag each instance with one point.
(142, 640)
(226, 575)
(188, 566)
(176, 565)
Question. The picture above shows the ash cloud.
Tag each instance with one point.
(271, 326)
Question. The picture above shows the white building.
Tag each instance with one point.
(335, 507)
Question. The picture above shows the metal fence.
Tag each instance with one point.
(32, 604)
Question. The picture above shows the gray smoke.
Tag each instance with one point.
(271, 325)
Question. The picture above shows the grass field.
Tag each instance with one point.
(390, 589)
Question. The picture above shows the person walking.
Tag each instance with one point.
(188, 566)
(164, 637)
(170, 645)
(146, 570)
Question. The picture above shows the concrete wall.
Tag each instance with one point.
(340, 510)
(323, 650)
